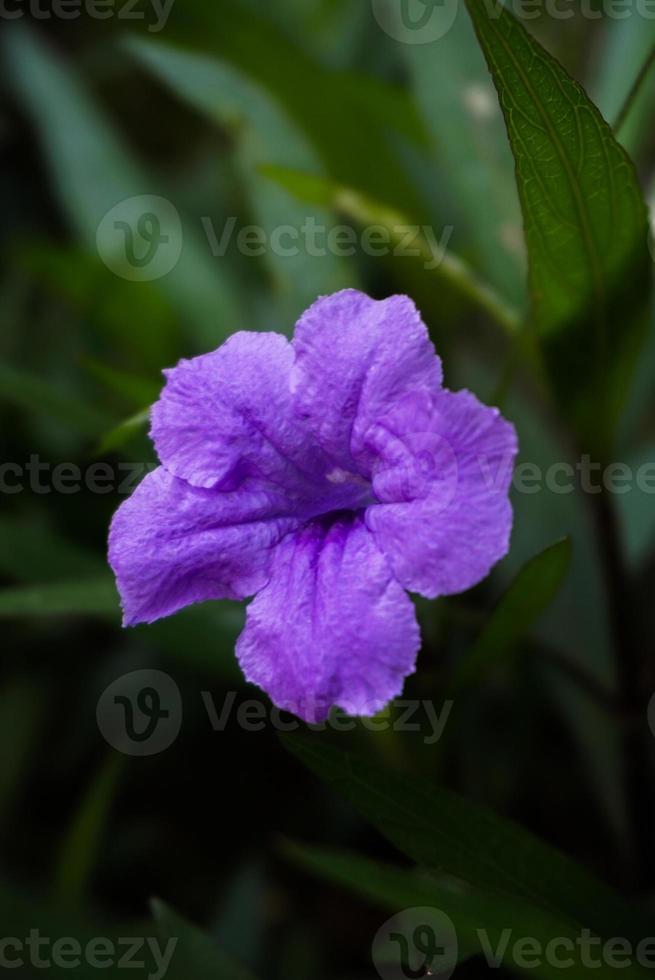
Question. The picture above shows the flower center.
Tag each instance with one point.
(342, 492)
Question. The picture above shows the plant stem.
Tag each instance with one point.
(634, 91)
(636, 738)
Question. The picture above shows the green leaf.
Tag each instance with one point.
(79, 849)
(240, 924)
(27, 911)
(122, 433)
(261, 132)
(481, 920)
(131, 387)
(90, 597)
(386, 885)
(531, 592)
(394, 888)
(366, 212)
(93, 172)
(196, 957)
(585, 224)
(357, 147)
(331, 31)
(443, 831)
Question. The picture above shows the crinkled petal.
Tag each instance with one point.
(229, 414)
(332, 627)
(443, 471)
(171, 544)
(354, 356)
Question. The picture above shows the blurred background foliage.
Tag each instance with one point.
(273, 114)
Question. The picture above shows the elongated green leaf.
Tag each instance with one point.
(389, 105)
(117, 437)
(481, 920)
(132, 388)
(393, 888)
(262, 133)
(355, 146)
(442, 831)
(196, 957)
(332, 30)
(585, 224)
(239, 926)
(91, 597)
(366, 212)
(530, 593)
(79, 848)
(93, 173)
(26, 911)
(386, 885)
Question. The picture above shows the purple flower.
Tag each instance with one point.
(325, 476)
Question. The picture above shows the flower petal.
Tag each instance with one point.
(332, 627)
(354, 355)
(171, 544)
(442, 479)
(229, 413)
